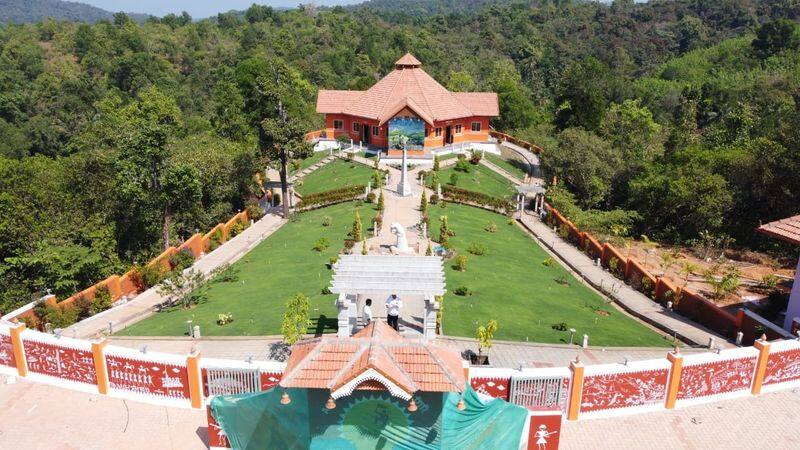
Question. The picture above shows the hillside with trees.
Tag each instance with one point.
(117, 139)
(33, 11)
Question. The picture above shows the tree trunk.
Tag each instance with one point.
(167, 223)
(284, 182)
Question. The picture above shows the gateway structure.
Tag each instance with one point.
(408, 108)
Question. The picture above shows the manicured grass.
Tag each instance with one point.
(335, 174)
(311, 160)
(514, 166)
(282, 265)
(511, 284)
(480, 179)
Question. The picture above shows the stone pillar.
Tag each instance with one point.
(429, 321)
(674, 383)
(575, 389)
(18, 348)
(99, 357)
(761, 364)
(195, 379)
(347, 315)
(793, 309)
(404, 188)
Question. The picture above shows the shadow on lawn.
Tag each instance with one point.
(323, 324)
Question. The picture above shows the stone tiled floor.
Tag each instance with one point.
(768, 422)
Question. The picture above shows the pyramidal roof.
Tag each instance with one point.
(408, 86)
(375, 358)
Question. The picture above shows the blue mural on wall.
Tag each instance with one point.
(410, 127)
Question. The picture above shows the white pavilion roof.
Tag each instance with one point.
(392, 274)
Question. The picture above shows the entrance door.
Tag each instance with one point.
(448, 135)
(366, 131)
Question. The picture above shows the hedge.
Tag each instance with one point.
(338, 195)
(459, 195)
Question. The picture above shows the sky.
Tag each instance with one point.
(199, 9)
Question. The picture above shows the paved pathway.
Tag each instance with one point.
(144, 304)
(628, 298)
(501, 171)
(766, 422)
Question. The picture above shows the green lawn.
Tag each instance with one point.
(480, 179)
(311, 160)
(268, 275)
(514, 166)
(335, 174)
(510, 284)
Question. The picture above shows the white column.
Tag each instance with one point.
(793, 309)
(347, 315)
(429, 321)
(404, 188)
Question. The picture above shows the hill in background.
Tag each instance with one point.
(32, 11)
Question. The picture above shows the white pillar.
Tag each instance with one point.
(404, 188)
(429, 321)
(793, 309)
(347, 315)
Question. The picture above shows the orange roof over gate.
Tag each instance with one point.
(408, 86)
(786, 230)
(409, 365)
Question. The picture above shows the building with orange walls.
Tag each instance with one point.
(408, 102)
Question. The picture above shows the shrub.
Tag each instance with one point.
(462, 291)
(475, 159)
(237, 228)
(769, 281)
(613, 266)
(456, 194)
(216, 239)
(102, 300)
(276, 198)
(491, 227)
(477, 249)
(225, 274)
(423, 203)
(180, 260)
(364, 246)
(461, 263)
(295, 165)
(333, 260)
(61, 316)
(327, 221)
(326, 291)
(152, 274)
(429, 250)
(562, 280)
(322, 244)
(333, 196)
(357, 232)
(560, 326)
(371, 197)
(453, 179)
(185, 289)
(295, 318)
(224, 319)
(254, 212)
(381, 202)
(726, 285)
(462, 165)
(549, 262)
(377, 179)
(83, 306)
(378, 220)
(436, 163)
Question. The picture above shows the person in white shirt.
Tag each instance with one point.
(393, 305)
(367, 312)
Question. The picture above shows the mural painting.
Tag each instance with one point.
(269, 380)
(147, 377)
(410, 127)
(493, 387)
(716, 378)
(544, 431)
(783, 366)
(7, 351)
(623, 390)
(62, 362)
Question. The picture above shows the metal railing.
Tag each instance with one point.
(232, 381)
(538, 392)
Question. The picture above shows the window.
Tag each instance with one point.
(438, 131)
(427, 131)
(356, 127)
(338, 125)
(376, 131)
(458, 129)
(476, 126)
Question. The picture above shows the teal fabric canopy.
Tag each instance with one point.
(367, 420)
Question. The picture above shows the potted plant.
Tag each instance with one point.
(484, 334)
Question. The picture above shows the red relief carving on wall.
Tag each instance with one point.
(147, 377)
(7, 351)
(623, 390)
(269, 380)
(494, 387)
(716, 378)
(62, 362)
(783, 366)
(216, 437)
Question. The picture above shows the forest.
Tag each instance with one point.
(674, 119)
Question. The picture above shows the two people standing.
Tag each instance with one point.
(393, 305)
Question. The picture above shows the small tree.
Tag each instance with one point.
(434, 180)
(381, 202)
(423, 203)
(444, 232)
(436, 163)
(184, 288)
(688, 268)
(485, 334)
(357, 233)
(364, 246)
(461, 263)
(429, 251)
(295, 319)
(377, 179)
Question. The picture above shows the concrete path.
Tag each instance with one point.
(628, 298)
(766, 422)
(501, 171)
(145, 303)
(295, 176)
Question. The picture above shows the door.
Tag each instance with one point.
(448, 135)
(366, 131)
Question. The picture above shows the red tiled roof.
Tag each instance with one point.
(408, 85)
(786, 230)
(411, 364)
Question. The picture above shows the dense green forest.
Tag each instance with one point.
(670, 118)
